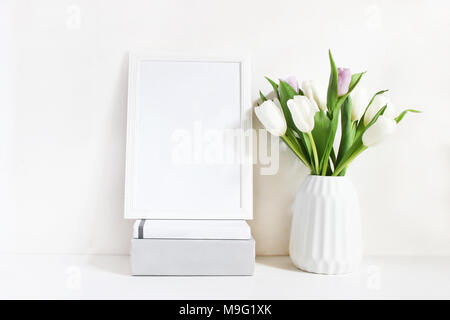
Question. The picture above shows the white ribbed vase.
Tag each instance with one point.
(326, 226)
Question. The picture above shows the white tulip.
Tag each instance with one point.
(302, 111)
(379, 102)
(383, 127)
(272, 118)
(316, 93)
(360, 100)
(278, 103)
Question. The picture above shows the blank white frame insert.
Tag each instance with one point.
(181, 162)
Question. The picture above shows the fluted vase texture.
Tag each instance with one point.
(326, 227)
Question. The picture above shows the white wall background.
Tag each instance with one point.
(63, 96)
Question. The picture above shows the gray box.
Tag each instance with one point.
(192, 257)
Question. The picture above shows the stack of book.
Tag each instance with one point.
(192, 247)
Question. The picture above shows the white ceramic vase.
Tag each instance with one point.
(326, 227)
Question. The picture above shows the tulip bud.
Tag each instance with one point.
(383, 127)
(272, 118)
(360, 100)
(379, 102)
(344, 78)
(302, 111)
(315, 93)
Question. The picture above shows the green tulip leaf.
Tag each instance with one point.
(360, 127)
(346, 129)
(320, 132)
(306, 143)
(376, 94)
(357, 144)
(303, 143)
(330, 140)
(274, 86)
(332, 93)
(354, 81)
(403, 113)
(263, 98)
(356, 148)
(290, 139)
(290, 91)
(375, 117)
(286, 93)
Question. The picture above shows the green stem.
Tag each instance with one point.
(292, 137)
(345, 164)
(294, 149)
(316, 157)
(330, 140)
(324, 169)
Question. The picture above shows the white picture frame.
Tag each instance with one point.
(144, 70)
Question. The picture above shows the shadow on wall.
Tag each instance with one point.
(273, 198)
(119, 230)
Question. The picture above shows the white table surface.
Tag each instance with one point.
(107, 277)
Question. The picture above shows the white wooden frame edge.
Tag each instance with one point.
(246, 210)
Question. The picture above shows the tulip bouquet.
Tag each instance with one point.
(306, 119)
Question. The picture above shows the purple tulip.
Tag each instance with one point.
(344, 78)
(292, 81)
